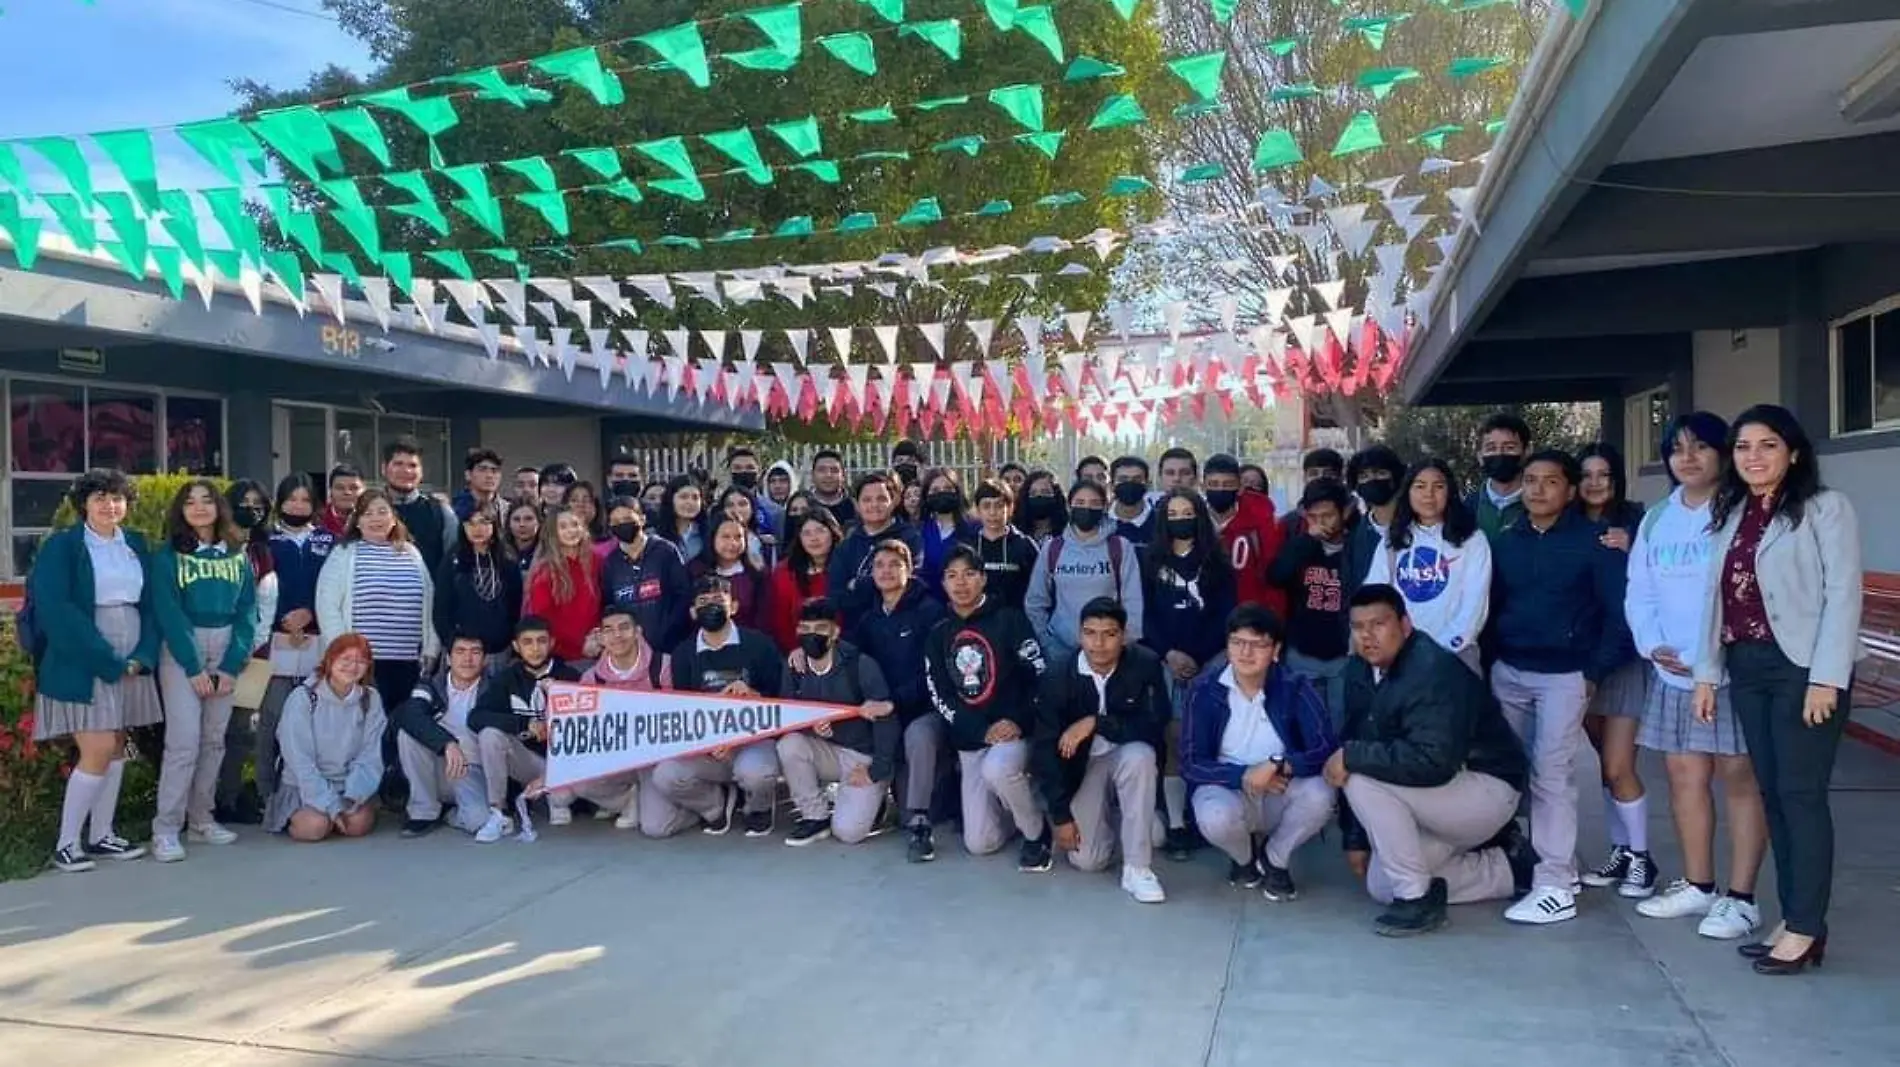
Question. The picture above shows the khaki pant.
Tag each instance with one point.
(1128, 771)
(1230, 819)
(506, 758)
(1421, 834)
(685, 790)
(923, 745)
(809, 761)
(995, 780)
(429, 782)
(194, 739)
(1546, 711)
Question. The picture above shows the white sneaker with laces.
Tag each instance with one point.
(1729, 919)
(1551, 904)
(167, 849)
(1141, 883)
(494, 829)
(1679, 901)
(212, 834)
(628, 819)
(559, 814)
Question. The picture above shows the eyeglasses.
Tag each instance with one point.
(1249, 644)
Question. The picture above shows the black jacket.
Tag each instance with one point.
(895, 640)
(655, 586)
(1430, 718)
(511, 700)
(853, 679)
(1136, 709)
(420, 716)
(1007, 562)
(460, 609)
(982, 670)
(754, 660)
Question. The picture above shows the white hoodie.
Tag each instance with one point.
(1669, 576)
(1447, 587)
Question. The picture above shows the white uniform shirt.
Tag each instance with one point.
(1249, 736)
(117, 576)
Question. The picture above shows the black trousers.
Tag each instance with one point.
(1793, 763)
(394, 680)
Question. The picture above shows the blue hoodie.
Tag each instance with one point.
(1557, 599)
(894, 640)
(848, 574)
(1294, 708)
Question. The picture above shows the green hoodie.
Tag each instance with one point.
(209, 589)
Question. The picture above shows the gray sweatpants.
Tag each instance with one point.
(1421, 834)
(506, 758)
(429, 782)
(686, 788)
(1229, 818)
(923, 746)
(1128, 771)
(995, 780)
(809, 761)
(1546, 711)
(194, 739)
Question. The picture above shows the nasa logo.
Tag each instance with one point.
(1421, 574)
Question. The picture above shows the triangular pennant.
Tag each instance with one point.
(841, 341)
(529, 342)
(887, 340)
(749, 343)
(800, 341)
(1077, 323)
(715, 342)
(982, 330)
(680, 341)
(1330, 293)
(933, 336)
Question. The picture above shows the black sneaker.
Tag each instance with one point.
(804, 831)
(1523, 860)
(1277, 882)
(1036, 855)
(759, 823)
(114, 847)
(922, 844)
(419, 827)
(1639, 881)
(72, 859)
(1245, 875)
(1181, 843)
(1409, 918)
(719, 825)
(1611, 871)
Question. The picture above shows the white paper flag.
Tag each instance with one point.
(1330, 293)
(715, 341)
(376, 294)
(330, 288)
(933, 336)
(490, 334)
(749, 343)
(564, 351)
(887, 340)
(514, 299)
(800, 341)
(680, 341)
(982, 330)
(530, 344)
(1078, 324)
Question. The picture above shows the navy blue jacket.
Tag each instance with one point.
(296, 567)
(1294, 708)
(848, 574)
(1557, 599)
(895, 642)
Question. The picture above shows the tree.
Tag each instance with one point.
(1451, 433)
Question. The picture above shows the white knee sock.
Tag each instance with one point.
(81, 788)
(1635, 816)
(1174, 794)
(1613, 815)
(106, 804)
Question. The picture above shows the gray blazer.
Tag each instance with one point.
(1810, 584)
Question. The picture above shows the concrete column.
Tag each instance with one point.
(247, 423)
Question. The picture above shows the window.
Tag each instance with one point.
(1644, 416)
(194, 435)
(1867, 369)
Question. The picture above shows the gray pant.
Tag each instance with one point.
(996, 779)
(808, 761)
(1130, 770)
(194, 739)
(1329, 677)
(618, 793)
(429, 782)
(1421, 834)
(1229, 818)
(693, 784)
(505, 758)
(1546, 711)
(923, 747)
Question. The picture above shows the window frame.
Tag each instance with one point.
(1835, 358)
(1642, 435)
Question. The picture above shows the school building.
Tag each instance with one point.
(98, 369)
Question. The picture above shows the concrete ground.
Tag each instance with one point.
(596, 947)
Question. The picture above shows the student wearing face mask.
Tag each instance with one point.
(1373, 474)
(1078, 565)
(299, 548)
(944, 522)
(250, 512)
(906, 460)
(645, 574)
(1007, 553)
(1247, 527)
(860, 755)
(1503, 441)
(625, 478)
(1310, 569)
(1132, 513)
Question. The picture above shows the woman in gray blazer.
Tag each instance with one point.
(1784, 619)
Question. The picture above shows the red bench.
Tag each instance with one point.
(1877, 680)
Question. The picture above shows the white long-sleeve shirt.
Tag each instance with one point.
(1447, 587)
(1669, 576)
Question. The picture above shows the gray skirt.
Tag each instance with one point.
(119, 705)
(1670, 725)
(1625, 693)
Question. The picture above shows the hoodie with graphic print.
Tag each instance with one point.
(1447, 587)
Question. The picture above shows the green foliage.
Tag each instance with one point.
(1451, 433)
(146, 511)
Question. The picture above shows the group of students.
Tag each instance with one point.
(1117, 666)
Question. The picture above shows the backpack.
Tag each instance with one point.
(26, 628)
(1115, 546)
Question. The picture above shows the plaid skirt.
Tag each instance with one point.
(120, 705)
(1670, 725)
(1625, 693)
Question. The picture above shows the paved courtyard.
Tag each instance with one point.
(596, 947)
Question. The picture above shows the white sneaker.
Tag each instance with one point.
(1729, 919)
(559, 814)
(212, 834)
(628, 819)
(496, 828)
(1551, 904)
(1679, 900)
(166, 848)
(1141, 883)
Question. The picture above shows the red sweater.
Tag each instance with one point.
(1253, 538)
(569, 623)
(782, 603)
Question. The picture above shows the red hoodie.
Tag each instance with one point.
(569, 622)
(1253, 538)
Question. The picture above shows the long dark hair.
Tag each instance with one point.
(1217, 570)
(1804, 471)
(597, 526)
(1058, 519)
(501, 548)
(1620, 511)
(669, 519)
(257, 543)
(179, 532)
(799, 561)
(1459, 523)
(1702, 426)
(709, 555)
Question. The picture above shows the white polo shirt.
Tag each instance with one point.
(1249, 736)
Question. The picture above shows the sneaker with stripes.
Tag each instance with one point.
(1551, 904)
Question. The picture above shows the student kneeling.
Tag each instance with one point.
(437, 745)
(330, 741)
(510, 721)
(1100, 718)
(1431, 773)
(859, 754)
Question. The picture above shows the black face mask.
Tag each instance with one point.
(294, 522)
(906, 472)
(1378, 492)
(625, 532)
(1085, 519)
(1502, 468)
(941, 503)
(249, 518)
(711, 617)
(1223, 500)
(625, 487)
(1180, 529)
(1042, 507)
(815, 646)
(1128, 494)
(746, 480)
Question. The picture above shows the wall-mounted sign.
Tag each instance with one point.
(82, 360)
(342, 341)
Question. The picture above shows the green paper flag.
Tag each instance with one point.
(922, 212)
(131, 152)
(1002, 13)
(731, 236)
(1198, 108)
(781, 26)
(1118, 110)
(1492, 127)
(1061, 199)
(1299, 91)
(825, 170)
(298, 226)
(479, 204)
(866, 157)
(1382, 80)
(1047, 143)
(889, 10)
(857, 223)
(1373, 28)
(630, 244)
(854, 50)
(490, 85)
(552, 205)
(682, 48)
(668, 152)
(743, 150)
(129, 228)
(455, 262)
(1201, 73)
(673, 240)
(1223, 10)
(181, 225)
(1038, 22)
(300, 135)
(425, 209)
(66, 158)
(1360, 135)
(227, 264)
(288, 270)
(969, 144)
(24, 232)
(1577, 7)
(1203, 172)
(873, 114)
(581, 67)
(74, 218)
(1125, 8)
(336, 261)
(360, 126)
(11, 172)
(762, 59)
(1085, 68)
(1474, 5)
(1276, 149)
(400, 268)
(1466, 66)
(994, 208)
(624, 188)
(538, 171)
(938, 103)
(687, 188)
(796, 226)
(431, 116)
(132, 261)
(1128, 185)
(946, 34)
(353, 214)
(171, 267)
(227, 206)
(1022, 103)
(799, 135)
(1283, 46)
(1435, 137)
(602, 161)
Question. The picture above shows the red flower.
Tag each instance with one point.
(65, 771)
(30, 750)
(6, 740)
(26, 724)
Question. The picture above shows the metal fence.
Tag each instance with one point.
(970, 459)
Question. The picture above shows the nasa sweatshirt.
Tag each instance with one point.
(1447, 587)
